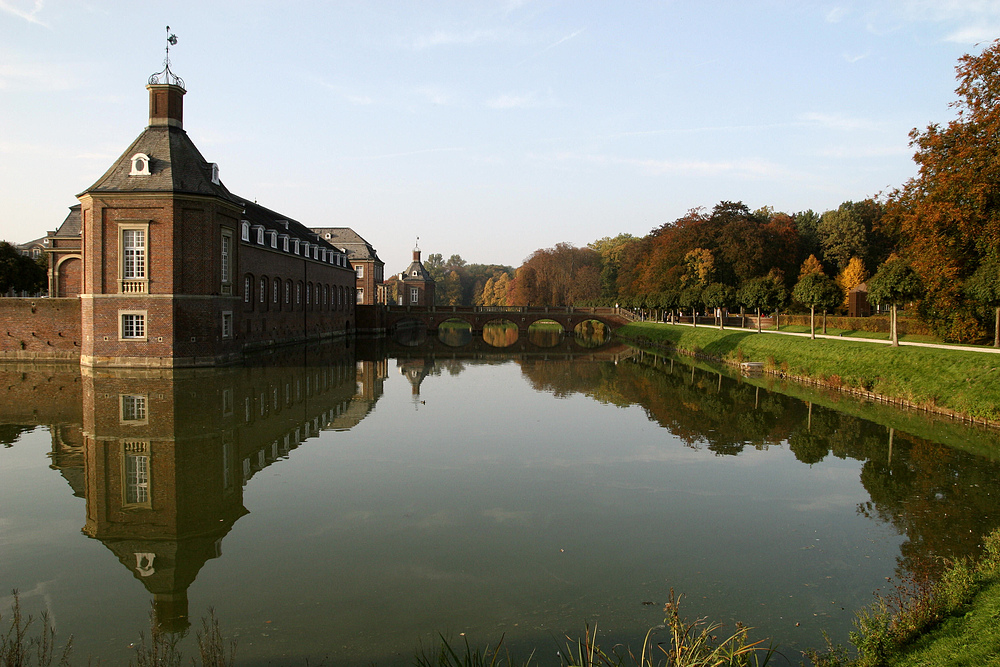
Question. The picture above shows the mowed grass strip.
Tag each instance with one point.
(967, 383)
(970, 639)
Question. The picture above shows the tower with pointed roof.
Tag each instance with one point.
(414, 286)
(179, 271)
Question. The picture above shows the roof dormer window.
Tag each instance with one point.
(274, 239)
(284, 242)
(215, 174)
(245, 231)
(295, 246)
(260, 235)
(140, 165)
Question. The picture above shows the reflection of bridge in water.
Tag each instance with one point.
(521, 316)
(567, 347)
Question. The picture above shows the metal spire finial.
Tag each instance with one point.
(165, 75)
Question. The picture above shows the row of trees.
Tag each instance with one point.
(933, 243)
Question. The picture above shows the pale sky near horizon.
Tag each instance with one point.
(488, 129)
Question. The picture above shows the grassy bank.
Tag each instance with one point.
(966, 384)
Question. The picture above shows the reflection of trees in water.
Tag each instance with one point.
(548, 336)
(592, 333)
(500, 334)
(11, 433)
(455, 334)
(942, 499)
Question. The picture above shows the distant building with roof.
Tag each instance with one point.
(368, 268)
(412, 287)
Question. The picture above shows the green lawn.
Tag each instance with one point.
(961, 641)
(967, 383)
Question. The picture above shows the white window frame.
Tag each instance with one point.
(414, 295)
(245, 231)
(133, 409)
(136, 474)
(133, 260)
(359, 295)
(140, 325)
(360, 271)
(226, 256)
(227, 324)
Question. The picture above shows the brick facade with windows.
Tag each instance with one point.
(169, 265)
(412, 287)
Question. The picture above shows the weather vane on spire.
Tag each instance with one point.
(165, 75)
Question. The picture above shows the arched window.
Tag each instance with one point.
(288, 291)
(276, 285)
(245, 231)
(298, 293)
(263, 289)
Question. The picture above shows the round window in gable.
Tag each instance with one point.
(140, 165)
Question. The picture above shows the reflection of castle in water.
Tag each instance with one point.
(162, 457)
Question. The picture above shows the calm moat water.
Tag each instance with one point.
(352, 501)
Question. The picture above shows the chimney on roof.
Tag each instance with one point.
(166, 105)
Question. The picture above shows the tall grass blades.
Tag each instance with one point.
(18, 648)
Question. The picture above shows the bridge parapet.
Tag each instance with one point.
(521, 316)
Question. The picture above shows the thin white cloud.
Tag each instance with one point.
(836, 14)
(836, 121)
(435, 95)
(974, 34)
(527, 101)
(561, 40)
(36, 76)
(29, 15)
(446, 38)
(747, 168)
(852, 152)
(853, 58)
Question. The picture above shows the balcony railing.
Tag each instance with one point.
(133, 286)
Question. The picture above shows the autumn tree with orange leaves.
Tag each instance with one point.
(948, 216)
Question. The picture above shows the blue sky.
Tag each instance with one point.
(488, 129)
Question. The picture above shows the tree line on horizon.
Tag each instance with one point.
(933, 243)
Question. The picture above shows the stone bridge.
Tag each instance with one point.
(521, 316)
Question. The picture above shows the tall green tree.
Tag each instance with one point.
(817, 290)
(984, 287)
(895, 283)
(717, 297)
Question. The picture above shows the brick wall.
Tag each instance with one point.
(40, 329)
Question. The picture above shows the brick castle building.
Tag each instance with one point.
(161, 265)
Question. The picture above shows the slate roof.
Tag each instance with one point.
(357, 248)
(256, 214)
(175, 165)
(71, 225)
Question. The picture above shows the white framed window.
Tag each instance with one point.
(360, 270)
(295, 246)
(135, 470)
(227, 324)
(226, 257)
(133, 253)
(284, 242)
(414, 295)
(140, 165)
(263, 289)
(260, 236)
(132, 325)
(359, 295)
(415, 273)
(298, 293)
(245, 231)
(274, 239)
(288, 289)
(132, 409)
(275, 285)
(247, 288)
